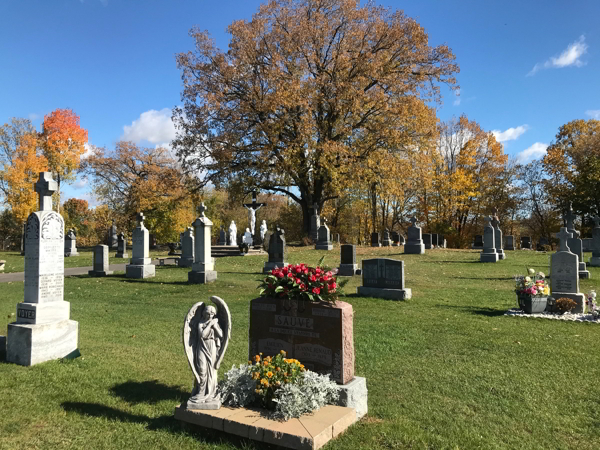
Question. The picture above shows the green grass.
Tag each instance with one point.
(16, 263)
(445, 370)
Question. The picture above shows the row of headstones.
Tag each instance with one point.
(508, 242)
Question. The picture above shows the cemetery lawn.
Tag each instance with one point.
(16, 263)
(445, 370)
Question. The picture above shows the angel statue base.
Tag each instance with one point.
(206, 333)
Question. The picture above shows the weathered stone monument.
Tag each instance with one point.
(71, 244)
(427, 241)
(324, 237)
(111, 239)
(43, 331)
(414, 243)
(488, 254)
(509, 242)
(277, 251)
(187, 248)
(140, 265)
(478, 243)
(203, 269)
(498, 235)
(315, 223)
(595, 259)
(564, 272)
(101, 267)
(387, 242)
(383, 278)
(574, 243)
(525, 242)
(121, 246)
(348, 266)
(375, 240)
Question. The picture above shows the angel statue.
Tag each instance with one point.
(206, 333)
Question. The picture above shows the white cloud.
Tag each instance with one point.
(569, 57)
(88, 150)
(80, 183)
(511, 134)
(536, 151)
(152, 126)
(593, 113)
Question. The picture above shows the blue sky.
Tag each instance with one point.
(527, 67)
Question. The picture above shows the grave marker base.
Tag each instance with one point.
(414, 249)
(324, 247)
(140, 271)
(488, 257)
(347, 270)
(390, 294)
(202, 277)
(100, 273)
(578, 298)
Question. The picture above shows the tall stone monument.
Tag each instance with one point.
(140, 265)
(575, 244)
(414, 243)
(101, 267)
(315, 223)
(375, 239)
(489, 254)
(498, 235)
(509, 242)
(348, 266)
(595, 259)
(187, 248)
(203, 269)
(121, 247)
(111, 239)
(427, 242)
(564, 272)
(277, 251)
(43, 331)
(222, 236)
(324, 237)
(71, 244)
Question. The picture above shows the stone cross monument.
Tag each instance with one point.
(488, 254)
(43, 331)
(315, 223)
(252, 208)
(498, 235)
(414, 240)
(203, 269)
(575, 244)
(140, 265)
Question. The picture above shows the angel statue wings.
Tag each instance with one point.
(206, 333)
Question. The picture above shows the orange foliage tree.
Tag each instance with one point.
(63, 141)
(307, 90)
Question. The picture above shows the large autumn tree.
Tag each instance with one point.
(63, 141)
(572, 163)
(132, 179)
(307, 90)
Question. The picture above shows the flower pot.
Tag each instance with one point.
(531, 304)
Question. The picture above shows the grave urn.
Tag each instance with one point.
(532, 304)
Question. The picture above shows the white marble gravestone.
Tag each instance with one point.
(564, 272)
(140, 264)
(43, 330)
(187, 248)
(488, 254)
(203, 269)
(101, 268)
(414, 242)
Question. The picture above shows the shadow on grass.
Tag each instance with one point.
(488, 312)
(165, 423)
(459, 262)
(148, 392)
(484, 278)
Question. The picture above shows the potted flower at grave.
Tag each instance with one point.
(532, 292)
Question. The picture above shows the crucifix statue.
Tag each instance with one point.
(252, 208)
(45, 187)
(570, 218)
(201, 209)
(563, 236)
(414, 221)
(140, 219)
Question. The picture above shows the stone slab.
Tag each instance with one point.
(140, 271)
(390, 294)
(584, 274)
(34, 344)
(594, 261)
(185, 261)
(577, 298)
(100, 273)
(414, 249)
(202, 277)
(354, 395)
(488, 257)
(347, 270)
(324, 247)
(309, 432)
(43, 312)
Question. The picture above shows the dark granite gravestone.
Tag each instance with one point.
(348, 266)
(414, 242)
(318, 334)
(375, 240)
(277, 251)
(324, 237)
(427, 241)
(509, 242)
(525, 243)
(121, 247)
(395, 236)
(384, 278)
(434, 239)
(540, 245)
(478, 243)
(222, 236)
